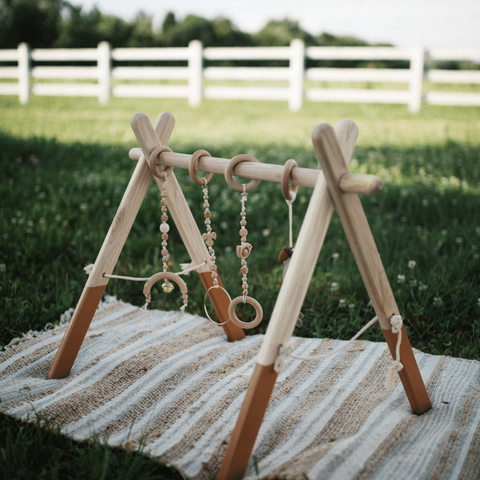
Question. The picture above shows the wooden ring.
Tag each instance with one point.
(287, 192)
(205, 305)
(237, 321)
(192, 168)
(158, 276)
(229, 173)
(156, 169)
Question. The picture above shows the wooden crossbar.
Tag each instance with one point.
(299, 176)
(333, 187)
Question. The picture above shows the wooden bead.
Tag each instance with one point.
(244, 270)
(164, 236)
(208, 214)
(285, 254)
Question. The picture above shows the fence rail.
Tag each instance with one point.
(27, 75)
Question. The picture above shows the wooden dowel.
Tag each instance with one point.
(305, 177)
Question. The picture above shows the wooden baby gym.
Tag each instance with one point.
(333, 187)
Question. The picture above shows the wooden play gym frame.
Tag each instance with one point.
(334, 187)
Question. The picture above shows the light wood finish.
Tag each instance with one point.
(182, 216)
(360, 183)
(106, 259)
(355, 225)
(299, 176)
(369, 262)
(285, 313)
(302, 263)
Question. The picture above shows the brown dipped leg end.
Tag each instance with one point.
(248, 423)
(75, 334)
(410, 374)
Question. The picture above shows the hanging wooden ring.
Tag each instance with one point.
(157, 169)
(287, 192)
(168, 275)
(192, 168)
(229, 173)
(237, 321)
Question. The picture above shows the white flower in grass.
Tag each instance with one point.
(437, 301)
(335, 256)
(351, 306)
(266, 232)
(413, 282)
(401, 278)
(3, 268)
(411, 264)
(342, 302)
(459, 240)
(477, 230)
(422, 287)
(334, 287)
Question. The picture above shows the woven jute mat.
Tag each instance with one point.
(174, 382)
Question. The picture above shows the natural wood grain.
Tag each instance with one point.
(284, 316)
(302, 263)
(368, 259)
(299, 176)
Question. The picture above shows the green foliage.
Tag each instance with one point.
(35, 22)
(281, 33)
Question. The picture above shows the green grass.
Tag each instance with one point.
(64, 168)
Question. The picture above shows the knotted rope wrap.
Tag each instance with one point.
(396, 323)
(285, 351)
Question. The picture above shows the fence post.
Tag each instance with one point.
(195, 73)
(104, 67)
(23, 73)
(417, 61)
(297, 72)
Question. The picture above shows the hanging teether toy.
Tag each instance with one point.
(210, 236)
(244, 249)
(167, 287)
(290, 196)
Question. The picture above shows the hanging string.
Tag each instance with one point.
(395, 321)
(290, 216)
(185, 271)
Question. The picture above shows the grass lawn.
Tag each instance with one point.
(64, 167)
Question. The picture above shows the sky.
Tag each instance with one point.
(433, 23)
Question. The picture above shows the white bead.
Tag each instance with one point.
(164, 227)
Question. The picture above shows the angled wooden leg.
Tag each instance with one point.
(190, 234)
(368, 260)
(285, 313)
(107, 259)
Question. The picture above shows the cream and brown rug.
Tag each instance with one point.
(172, 381)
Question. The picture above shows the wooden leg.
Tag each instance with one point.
(368, 259)
(107, 258)
(77, 329)
(220, 304)
(248, 423)
(410, 374)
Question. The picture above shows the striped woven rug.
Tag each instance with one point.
(173, 381)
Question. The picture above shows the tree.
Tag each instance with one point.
(35, 22)
(281, 33)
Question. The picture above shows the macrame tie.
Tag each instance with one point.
(396, 323)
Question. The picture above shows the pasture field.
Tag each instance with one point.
(64, 167)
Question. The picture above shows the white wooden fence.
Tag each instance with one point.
(104, 79)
